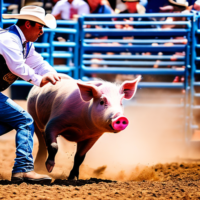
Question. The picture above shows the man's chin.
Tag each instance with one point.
(33, 40)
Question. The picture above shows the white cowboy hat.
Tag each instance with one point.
(182, 3)
(34, 13)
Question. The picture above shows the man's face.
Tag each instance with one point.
(132, 6)
(35, 32)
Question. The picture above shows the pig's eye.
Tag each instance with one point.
(101, 102)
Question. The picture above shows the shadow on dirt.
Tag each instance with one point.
(79, 182)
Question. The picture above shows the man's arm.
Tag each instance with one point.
(42, 68)
(12, 53)
(57, 10)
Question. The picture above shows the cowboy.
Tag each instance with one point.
(133, 6)
(18, 58)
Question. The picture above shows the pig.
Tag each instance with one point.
(80, 112)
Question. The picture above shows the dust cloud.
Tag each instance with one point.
(155, 135)
(149, 140)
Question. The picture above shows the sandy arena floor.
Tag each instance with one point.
(139, 163)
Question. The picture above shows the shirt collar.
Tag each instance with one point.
(21, 34)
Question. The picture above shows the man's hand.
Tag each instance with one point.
(51, 77)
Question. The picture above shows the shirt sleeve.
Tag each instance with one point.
(57, 8)
(12, 53)
(197, 2)
(36, 62)
(84, 9)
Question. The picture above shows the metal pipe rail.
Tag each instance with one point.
(47, 46)
(123, 55)
(127, 56)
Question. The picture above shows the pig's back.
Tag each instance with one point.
(48, 100)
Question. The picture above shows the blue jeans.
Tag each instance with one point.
(13, 116)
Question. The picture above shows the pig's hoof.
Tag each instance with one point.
(50, 165)
(72, 177)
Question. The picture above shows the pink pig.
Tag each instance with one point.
(79, 111)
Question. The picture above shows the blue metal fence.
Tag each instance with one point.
(140, 46)
(1, 11)
(195, 76)
(68, 47)
(133, 46)
(116, 44)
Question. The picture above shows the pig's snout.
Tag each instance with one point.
(120, 123)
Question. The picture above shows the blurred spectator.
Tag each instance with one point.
(133, 6)
(113, 3)
(176, 6)
(197, 5)
(153, 6)
(144, 2)
(11, 6)
(121, 6)
(192, 4)
(69, 9)
(117, 3)
(54, 2)
(99, 6)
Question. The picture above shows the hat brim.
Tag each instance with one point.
(49, 20)
(167, 8)
(177, 4)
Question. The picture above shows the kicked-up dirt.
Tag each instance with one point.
(140, 163)
(161, 181)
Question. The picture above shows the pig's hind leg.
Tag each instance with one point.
(52, 131)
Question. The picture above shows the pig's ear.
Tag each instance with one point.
(88, 91)
(96, 83)
(128, 88)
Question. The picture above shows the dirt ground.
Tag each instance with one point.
(178, 180)
(140, 163)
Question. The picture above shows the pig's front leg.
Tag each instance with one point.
(82, 148)
(52, 146)
(78, 159)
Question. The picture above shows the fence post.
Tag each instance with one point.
(81, 38)
(192, 73)
(1, 12)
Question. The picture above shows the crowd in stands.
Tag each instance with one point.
(72, 9)
(65, 9)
